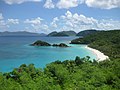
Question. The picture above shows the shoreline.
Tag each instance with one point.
(100, 56)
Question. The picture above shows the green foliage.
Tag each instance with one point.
(105, 41)
(78, 74)
(86, 32)
(78, 61)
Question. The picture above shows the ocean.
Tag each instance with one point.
(16, 50)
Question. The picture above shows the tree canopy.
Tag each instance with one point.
(78, 74)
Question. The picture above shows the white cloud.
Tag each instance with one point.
(68, 14)
(108, 24)
(39, 28)
(68, 21)
(53, 23)
(103, 4)
(13, 21)
(67, 4)
(74, 22)
(6, 24)
(36, 24)
(80, 22)
(45, 27)
(19, 1)
(3, 24)
(49, 4)
(34, 21)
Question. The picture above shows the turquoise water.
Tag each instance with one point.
(15, 51)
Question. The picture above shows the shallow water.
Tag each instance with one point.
(15, 51)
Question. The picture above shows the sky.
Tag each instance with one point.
(45, 16)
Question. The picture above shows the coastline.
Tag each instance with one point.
(100, 55)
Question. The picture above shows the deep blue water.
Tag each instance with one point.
(15, 51)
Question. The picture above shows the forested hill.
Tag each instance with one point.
(86, 32)
(62, 33)
(107, 42)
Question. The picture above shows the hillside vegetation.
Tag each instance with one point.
(107, 42)
(86, 32)
(78, 74)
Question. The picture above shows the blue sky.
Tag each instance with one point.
(45, 16)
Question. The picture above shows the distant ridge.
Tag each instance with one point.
(86, 32)
(52, 34)
(62, 33)
(21, 33)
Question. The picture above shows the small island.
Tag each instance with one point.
(43, 43)
(60, 45)
(40, 43)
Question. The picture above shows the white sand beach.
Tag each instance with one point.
(100, 55)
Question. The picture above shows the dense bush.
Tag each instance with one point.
(78, 74)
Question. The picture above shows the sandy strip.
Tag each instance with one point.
(100, 55)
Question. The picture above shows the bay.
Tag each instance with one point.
(15, 51)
